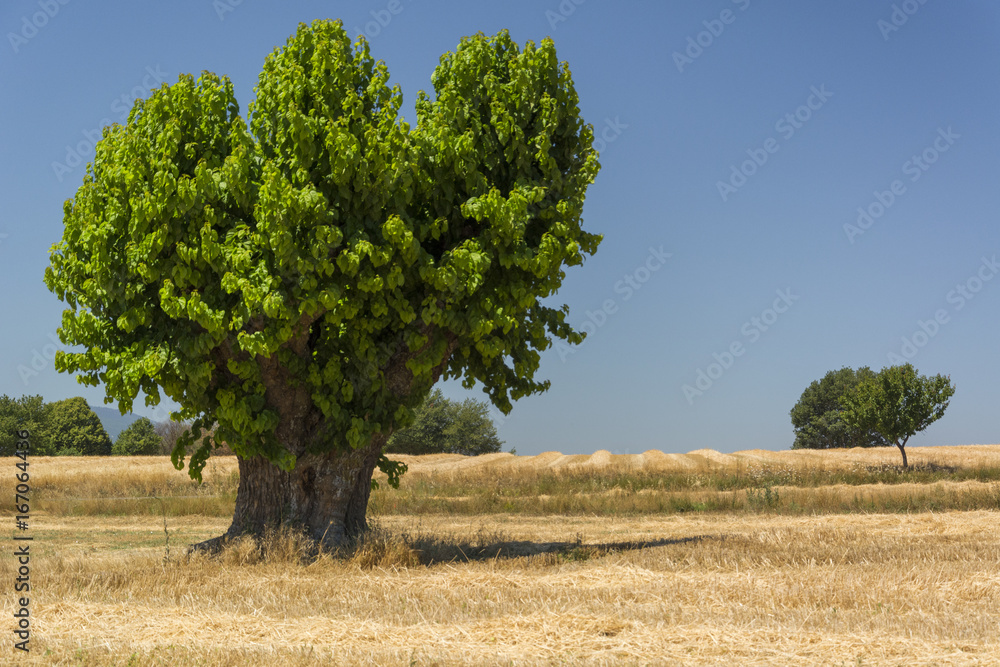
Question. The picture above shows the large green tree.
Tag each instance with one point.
(443, 426)
(75, 429)
(817, 417)
(897, 403)
(304, 278)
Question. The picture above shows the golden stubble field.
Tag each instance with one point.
(714, 587)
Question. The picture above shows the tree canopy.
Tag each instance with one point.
(76, 429)
(818, 416)
(30, 413)
(443, 426)
(302, 278)
(897, 403)
(139, 439)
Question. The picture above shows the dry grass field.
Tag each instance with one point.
(833, 558)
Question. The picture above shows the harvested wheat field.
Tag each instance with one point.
(962, 455)
(752, 573)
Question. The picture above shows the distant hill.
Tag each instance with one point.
(113, 422)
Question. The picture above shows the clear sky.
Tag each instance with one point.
(822, 175)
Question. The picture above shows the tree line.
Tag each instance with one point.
(71, 428)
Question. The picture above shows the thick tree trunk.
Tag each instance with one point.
(325, 496)
(902, 450)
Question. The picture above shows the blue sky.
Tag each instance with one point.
(823, 177)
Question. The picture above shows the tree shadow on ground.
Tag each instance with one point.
(380, 548)
(441, 550)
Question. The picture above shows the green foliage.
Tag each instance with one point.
(394, 470)
(30, 413)
(817, 417)
(326, 243)
(139, 439)
(897, 403)
(442, 426)
(76, 430)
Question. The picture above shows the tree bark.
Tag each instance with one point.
(902, 450)
(325, 495)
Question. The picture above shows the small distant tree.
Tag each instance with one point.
(75, 429)
(817, 417)
(30, 413)
(139, 439)
(442, 426)
(472, 432)
(897, 403)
